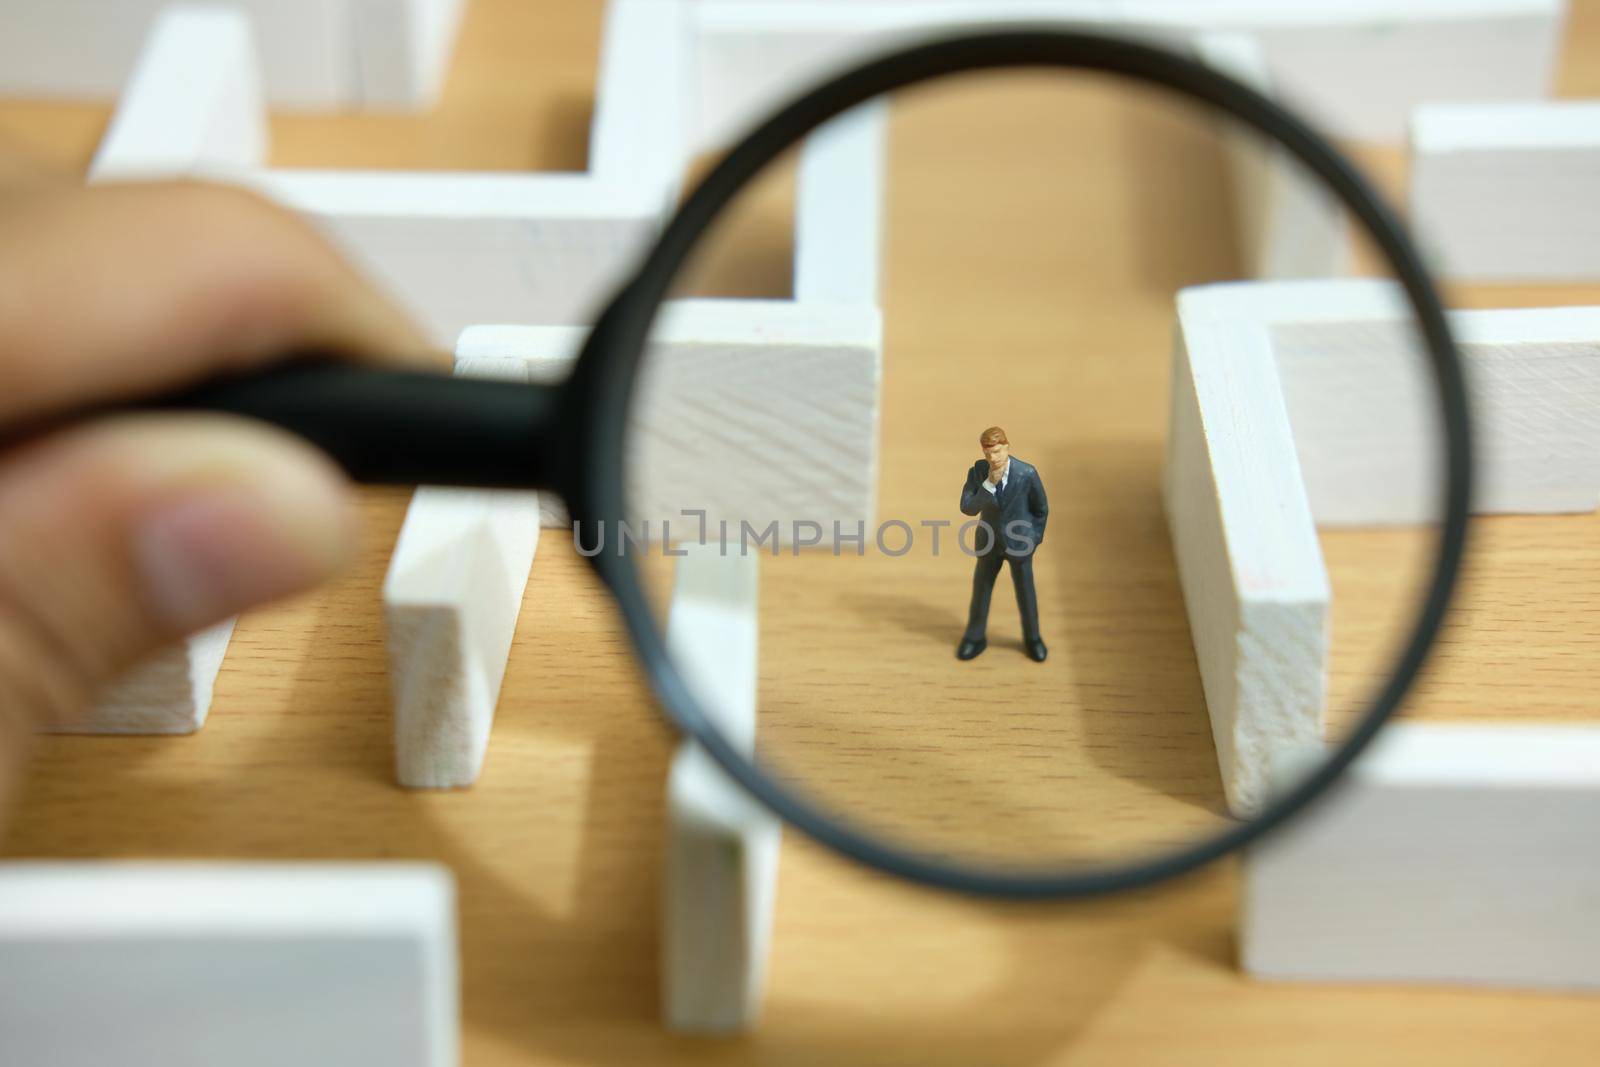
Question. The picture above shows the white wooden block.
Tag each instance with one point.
(839, 209)
(459, 249)
(315, 54)
(403, 49)
(749, 379)
(194, 100)
(1289, 225)
(722, 847)
(754, 54)
(721, 890)
(1450, 854)
(639, 135)
(1361, 401)
(462, 249)
(1509, 192)
(756, 383)
(1253, 579)
(251, 965)
(451, 601)
(335, 53)
(1358, 68)
(170, 693)
(87, 48)
(1302, 400)
(751, 57)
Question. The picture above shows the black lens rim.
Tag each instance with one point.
(606, 372)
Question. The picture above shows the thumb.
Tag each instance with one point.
(123, 535)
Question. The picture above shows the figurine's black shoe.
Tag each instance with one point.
(1036, 650)
(969, 649)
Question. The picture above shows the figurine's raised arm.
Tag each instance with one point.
(972, 493)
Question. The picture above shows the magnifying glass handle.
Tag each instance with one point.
(397, 427)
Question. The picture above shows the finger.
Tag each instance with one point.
(121, 291)
(126, 534)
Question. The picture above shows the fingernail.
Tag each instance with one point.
(211, 555)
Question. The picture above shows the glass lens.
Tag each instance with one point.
(1034, 469)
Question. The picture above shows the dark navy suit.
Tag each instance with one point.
(1016, 515)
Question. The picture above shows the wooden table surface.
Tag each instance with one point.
(1059, 266)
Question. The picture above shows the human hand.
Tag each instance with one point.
(124, 533)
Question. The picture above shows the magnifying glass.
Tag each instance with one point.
(906, 716)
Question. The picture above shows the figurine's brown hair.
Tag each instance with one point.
(994, 435)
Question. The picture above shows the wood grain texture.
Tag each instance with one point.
(1354, 383)
(558, 849)
(735, 390)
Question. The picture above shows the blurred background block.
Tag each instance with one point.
(254, 965)
(721, 876)
(1453, 853)
(1509, 192)
(315, 54)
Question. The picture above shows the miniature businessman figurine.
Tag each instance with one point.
(1008, 496)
